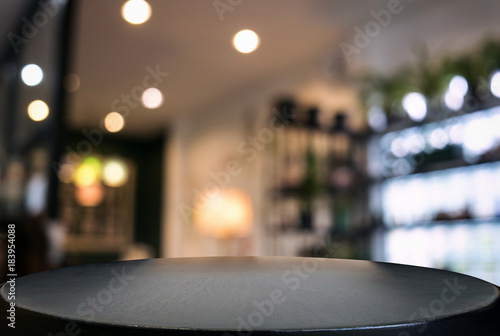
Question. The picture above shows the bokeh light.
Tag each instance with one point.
(246, 41)
(32, 74)
(38, 110)
(398, 147)
(402, 167)
(136, 11)
(438, 138)
(114, 122)
(479, 137)
(415, 143)
(456, 134)
(66, 172)
(453, 102)
(115, 173)
(457, 89)
(377, 119)
(152, 98)
(88, 172)
(458, 86)
(495, 84)
(225, 215)
(71, 82)
(89, 196)
(415, 105)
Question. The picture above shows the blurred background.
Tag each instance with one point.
(339, 129)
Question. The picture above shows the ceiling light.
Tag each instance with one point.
(152, 98)
(114, 122)
(415, 105)
(246, 41)
(136, 11)
(38, 110)
(32, 75)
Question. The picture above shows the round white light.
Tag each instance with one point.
(114, 122)
(115, 173)
(398, 147)
(438, 138)
(415, 105)
(152, 98)
(377, 119)
(456, 134)
(32, 75)
(495, 84)
(415, 143)
(453, 102)
(479, 137)
(38, 110)
(246, 41)
(458, 86)
(402, 167)
(136, 11)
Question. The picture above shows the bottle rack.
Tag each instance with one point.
(436, 195)
(317, 185)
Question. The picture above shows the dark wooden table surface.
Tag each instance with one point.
(246, 296)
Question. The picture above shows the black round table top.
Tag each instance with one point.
(246, 295)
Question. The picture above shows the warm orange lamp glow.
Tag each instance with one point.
(89, 196)
(226, 215)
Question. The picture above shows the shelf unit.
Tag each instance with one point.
(316, 202)
(436, 199)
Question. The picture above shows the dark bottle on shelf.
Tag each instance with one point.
(342, 175)
(340, 155)
(310, 187)
(290, 143)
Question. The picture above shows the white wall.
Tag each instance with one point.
(206, 141)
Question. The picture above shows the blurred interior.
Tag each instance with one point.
(342, 129)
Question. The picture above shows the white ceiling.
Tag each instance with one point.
(187, 39)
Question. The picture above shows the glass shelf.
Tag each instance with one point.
(459, 141)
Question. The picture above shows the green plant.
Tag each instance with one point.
(311, 184)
